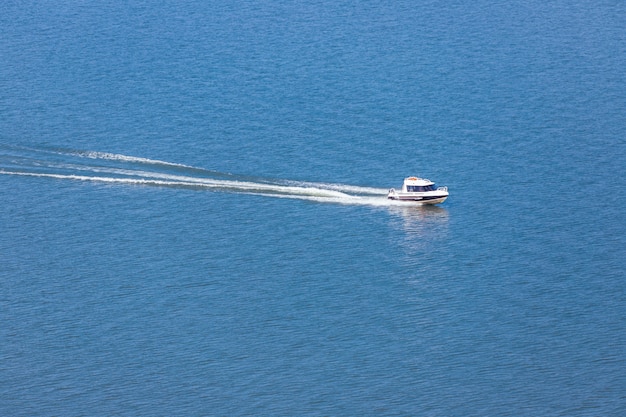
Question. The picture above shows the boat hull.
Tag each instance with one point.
(419, 199)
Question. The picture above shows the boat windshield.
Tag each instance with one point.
(420, 188)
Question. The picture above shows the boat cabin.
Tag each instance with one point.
(417, 185)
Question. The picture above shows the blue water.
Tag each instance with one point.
(194, 221)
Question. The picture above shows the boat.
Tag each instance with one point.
(420, 190)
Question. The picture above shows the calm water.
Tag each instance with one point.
(194, 222)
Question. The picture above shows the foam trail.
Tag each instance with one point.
(170, 179)
(64, 164)
(289, 187)
(299, 184)
(91, 155)
(355, 189)
(135, 181)
(235, 186)
(125, 158)
(299, 193)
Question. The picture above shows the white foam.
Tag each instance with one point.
(126, 158)
(298, 186)
(95, 179)
(269, 188)
(354, 189)
(166, 179)
(125, 174)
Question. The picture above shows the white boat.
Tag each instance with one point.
(419, 190)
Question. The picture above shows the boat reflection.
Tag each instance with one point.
(421, 226)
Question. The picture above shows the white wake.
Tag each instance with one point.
(130, 170)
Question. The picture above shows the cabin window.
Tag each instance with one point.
(420, 188)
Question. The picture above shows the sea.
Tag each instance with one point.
(194, 222)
